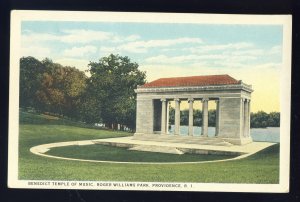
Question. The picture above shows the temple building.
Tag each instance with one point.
(232, 99)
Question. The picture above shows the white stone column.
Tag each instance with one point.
(205, 117)
(177, 117)
(217, 117)
(168, 117)
(163, 116)
(191, 120)
(242, 119)
(249, 118)
(246, 114)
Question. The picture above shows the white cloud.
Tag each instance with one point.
(142, 46)
(163, 59)
(79, 51)
(72, 62)
(38, 52)
(119, 39)
(31, 38)
(220, 55)
(221, 58)
(169, 49)
(220, 47)
(252, 52)
(164, 43)
(84, 36)
(80, 36)
(275, 50)
(133, 37)
(108, 49)
(131, 48)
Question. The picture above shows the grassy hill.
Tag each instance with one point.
(262, 167)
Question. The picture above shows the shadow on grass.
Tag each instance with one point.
(45, 119)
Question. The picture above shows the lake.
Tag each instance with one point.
(270, 134)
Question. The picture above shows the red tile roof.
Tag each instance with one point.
(192, 81)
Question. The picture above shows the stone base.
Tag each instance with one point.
(237, 141)
(181, 145)
(170, 138)
(154, 148)
(218, 140)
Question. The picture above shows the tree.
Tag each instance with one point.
(274, 119)
(112, 83)
(184, 117)
(51, 87)
(60, 89)
(89, 109)
(171, 115)
(259, 119)
(31, 71)
(197, 117)
(212, 117)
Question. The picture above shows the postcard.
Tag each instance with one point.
(149, 101)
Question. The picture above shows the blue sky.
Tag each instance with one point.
(251, 53)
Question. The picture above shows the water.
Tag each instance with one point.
(270, 134)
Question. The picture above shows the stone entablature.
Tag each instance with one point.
(232, 109)
(242, 86)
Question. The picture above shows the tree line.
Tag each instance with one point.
(259, 119)
(262, 119)
(107, 96)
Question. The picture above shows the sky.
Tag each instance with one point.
(251, 53)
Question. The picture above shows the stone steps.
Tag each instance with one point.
(182, 139)
(154, 148)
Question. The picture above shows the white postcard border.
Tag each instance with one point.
(17, 16)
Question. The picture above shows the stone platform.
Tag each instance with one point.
(179, 146)
(183, 139)
(159, 149)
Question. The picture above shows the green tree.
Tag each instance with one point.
(259, 120)
(212, 117)
(274, 119)
(74, 87)
(31, 71)
(89, 109)
(197, 117)
(61, 88)
(171, 115)
(112, 83)
(48, 86)
(184, 117)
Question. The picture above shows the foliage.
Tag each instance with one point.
(112, 83)
(262, 120)
(50, 87)
(31, 71)
(107, 96)
(197, 117)
(258, 120)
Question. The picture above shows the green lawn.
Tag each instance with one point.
(262, 167)
(110, 153)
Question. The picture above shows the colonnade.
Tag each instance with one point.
(245, 116)
(204, 132)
